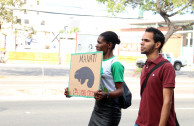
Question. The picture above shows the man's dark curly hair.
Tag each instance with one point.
(158, 36)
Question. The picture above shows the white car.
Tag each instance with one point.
(176, 62)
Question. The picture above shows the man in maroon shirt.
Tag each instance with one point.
(157, 101)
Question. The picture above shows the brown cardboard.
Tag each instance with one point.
(85, 74)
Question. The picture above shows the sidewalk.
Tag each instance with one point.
(188, 68)
(52, 88)
(66, 65)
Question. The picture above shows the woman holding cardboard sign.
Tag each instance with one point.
(107, 111)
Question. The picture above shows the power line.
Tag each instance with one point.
(49, 12)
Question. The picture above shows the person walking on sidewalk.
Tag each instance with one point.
(107, 111)
(157, 100)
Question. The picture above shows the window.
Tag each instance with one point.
(43, 23)
(191, 42)
(26, 21)
(25, 11)
(186, 40)
(19, 21)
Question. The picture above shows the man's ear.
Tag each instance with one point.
(158, 44)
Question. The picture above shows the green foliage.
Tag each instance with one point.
(118, 6)
(168, 6)
(166, 9)
(74, 30)
(62, 31)
(6, 12)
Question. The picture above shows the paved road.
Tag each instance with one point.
(74, 113)
(33, 70)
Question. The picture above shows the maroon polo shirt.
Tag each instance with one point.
(152, 97)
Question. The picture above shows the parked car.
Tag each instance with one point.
(176, 62)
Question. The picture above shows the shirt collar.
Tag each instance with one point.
(108, 58)
(155, 61)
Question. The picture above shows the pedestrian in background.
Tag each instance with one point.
(157, 100)
(107, 111)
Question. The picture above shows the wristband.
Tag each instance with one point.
(107, 95)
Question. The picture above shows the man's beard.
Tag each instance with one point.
(149, 51)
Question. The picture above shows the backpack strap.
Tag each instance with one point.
(155, 67)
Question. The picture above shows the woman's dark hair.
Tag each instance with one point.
(110, 36)
(158, 36)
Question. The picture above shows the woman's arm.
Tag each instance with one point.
(98, 95)
(117, 70)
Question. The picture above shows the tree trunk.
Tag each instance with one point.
(170, 31)
(171, 28)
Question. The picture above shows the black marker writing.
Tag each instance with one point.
(88, 58)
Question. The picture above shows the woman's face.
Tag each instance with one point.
(101, 45)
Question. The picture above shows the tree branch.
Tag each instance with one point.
(169, 7)
(184, 26)
(158, 6)
(164, 3)
(165, 17)
(168, 22)
(179, 10)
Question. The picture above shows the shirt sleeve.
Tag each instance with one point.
(168, 79)
(117, 70)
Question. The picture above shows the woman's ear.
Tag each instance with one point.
(110, 45)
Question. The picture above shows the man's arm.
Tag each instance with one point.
(167, 102)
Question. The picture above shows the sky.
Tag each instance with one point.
(89, 7)
(97, 11)
(95, 22)
(84, 7)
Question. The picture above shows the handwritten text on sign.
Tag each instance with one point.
(88, 58)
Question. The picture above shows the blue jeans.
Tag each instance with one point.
(136, 124)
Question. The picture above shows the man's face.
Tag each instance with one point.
(147, 44)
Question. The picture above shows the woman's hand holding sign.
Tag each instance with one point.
(66, 93)
(99, 94)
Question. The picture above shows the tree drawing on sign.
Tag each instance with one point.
(85, 73)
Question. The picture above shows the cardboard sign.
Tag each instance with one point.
(85, 75)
